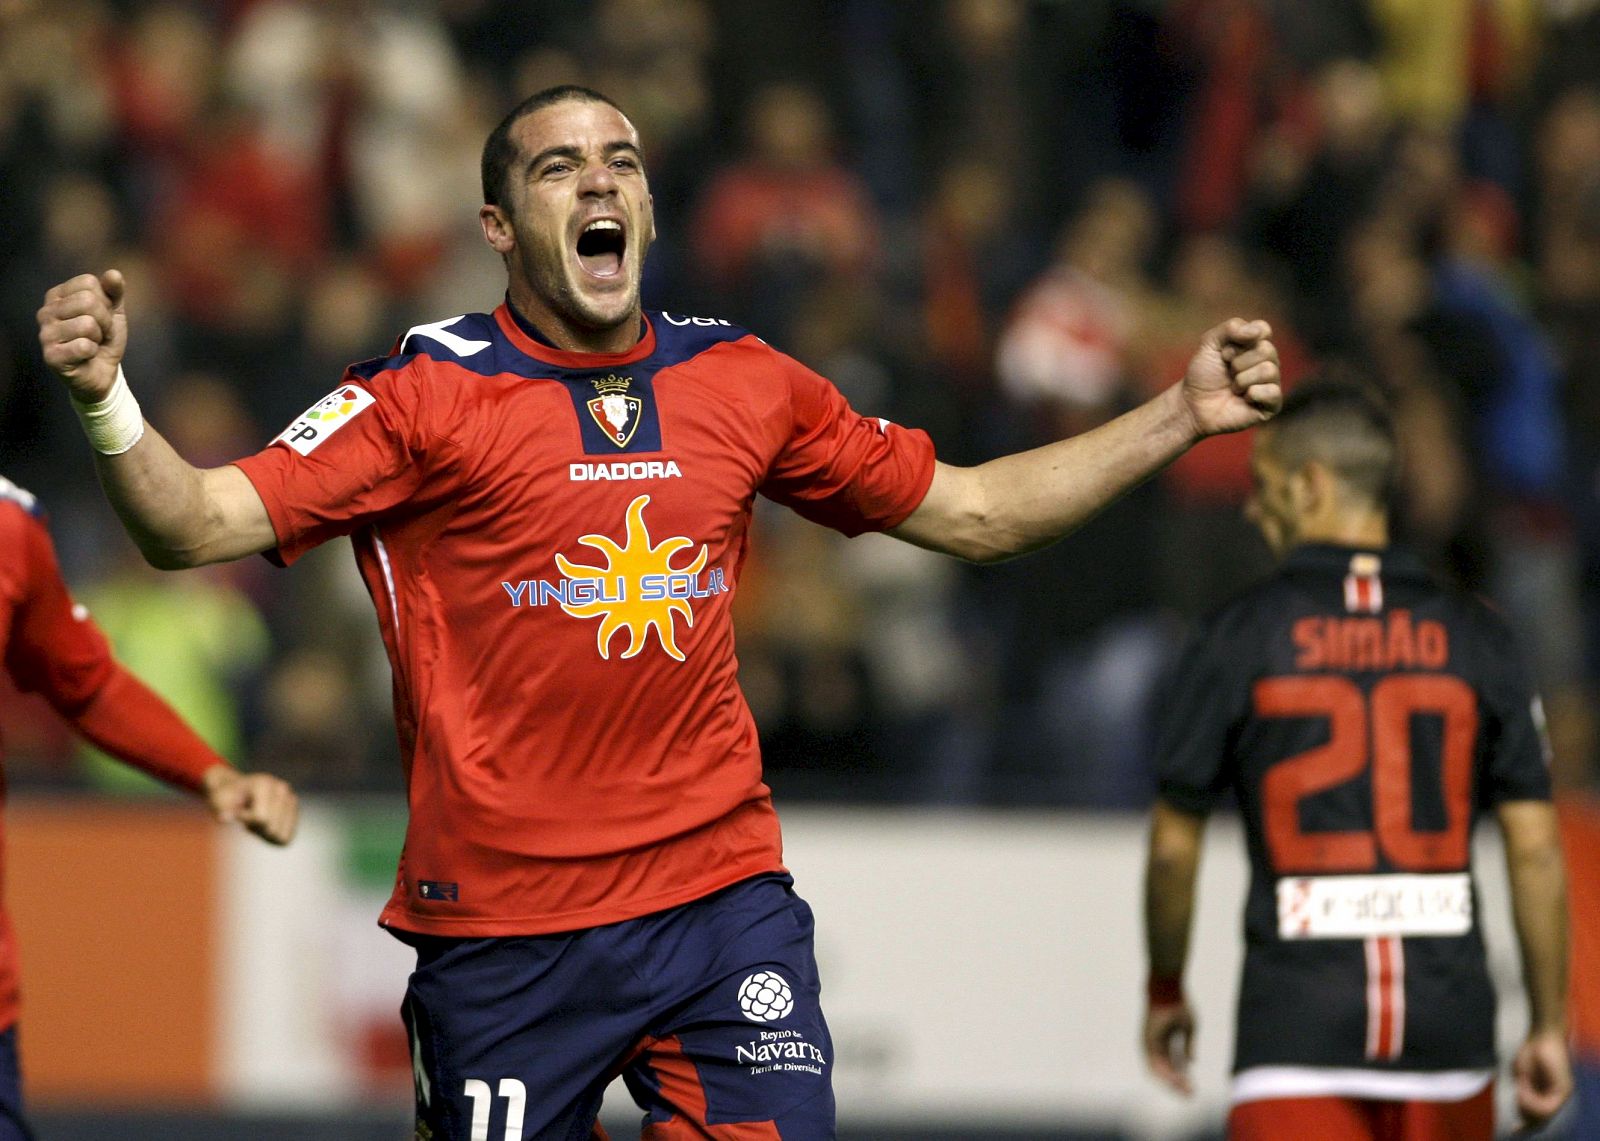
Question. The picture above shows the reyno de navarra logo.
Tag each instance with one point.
(766, 997)
(638, 590)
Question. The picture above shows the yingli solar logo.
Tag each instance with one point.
(638, 590)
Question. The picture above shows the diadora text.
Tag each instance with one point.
(637, 469)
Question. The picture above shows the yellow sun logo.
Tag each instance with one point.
(646, 589)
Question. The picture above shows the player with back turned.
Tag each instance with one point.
(51, 646)
(551, 506)
(1363, 717)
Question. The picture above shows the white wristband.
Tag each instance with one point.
(114, 424)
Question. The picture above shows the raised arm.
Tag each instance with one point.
(1022, 502)
(1170, 871)
(178, 514)
(1542, 1068)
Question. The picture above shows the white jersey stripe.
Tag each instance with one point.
(1374, 997)
(388, 578)
(1386, 997)
(1259, 1083)
(1397, 997)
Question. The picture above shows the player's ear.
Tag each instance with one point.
(1314, 488)
(497, 229)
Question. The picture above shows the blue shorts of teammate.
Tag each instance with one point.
(710, 1012)
(13, 1125)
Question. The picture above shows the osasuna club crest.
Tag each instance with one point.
(617, 413)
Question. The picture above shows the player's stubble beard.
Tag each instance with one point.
(554, 280)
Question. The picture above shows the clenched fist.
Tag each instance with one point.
(1233, 380)
(83, 331)
(260, 802)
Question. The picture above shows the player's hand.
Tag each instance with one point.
(1169, 1044)
(1233, 379)
(262, 803)
(83, 331)
(1543, 1073)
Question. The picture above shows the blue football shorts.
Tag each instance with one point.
(709, 1012)
(13, 1125)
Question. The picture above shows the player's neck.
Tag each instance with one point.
(1365, 532)
(543, 324)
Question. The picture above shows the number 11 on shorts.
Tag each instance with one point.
(516, 1095)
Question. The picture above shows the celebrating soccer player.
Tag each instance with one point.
(1362, 716)
(52, 647)
(551, 506)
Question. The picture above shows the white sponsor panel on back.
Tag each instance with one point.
(325, 417)
(1365, 907)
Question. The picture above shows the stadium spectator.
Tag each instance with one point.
(978, 83)
(1314, 183)
(324, 84)
(1232, 41)
(1362, 717)
(974, 261)
(785, 215)
(1069, 342)
(52, 647)
(581, 811)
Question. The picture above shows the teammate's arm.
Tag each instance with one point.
(1021, 502)
(178, 514)
(1170, 872)
(54, 649)
(128, 720)
(1542, 1069)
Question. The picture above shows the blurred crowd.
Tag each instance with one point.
(999, 220)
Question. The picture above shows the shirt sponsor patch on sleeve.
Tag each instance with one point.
(325, 417)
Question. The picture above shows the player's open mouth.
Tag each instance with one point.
(600, 247)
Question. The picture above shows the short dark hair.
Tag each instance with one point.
(499, 151)
(1343, 423)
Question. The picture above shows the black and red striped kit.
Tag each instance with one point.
(1363, 717)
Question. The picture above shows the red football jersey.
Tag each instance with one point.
(52, 647)
(552, 541)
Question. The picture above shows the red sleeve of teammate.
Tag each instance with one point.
(327, 476)
(56, 650)
(53, 649)
(130, 722)
(850, 472)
